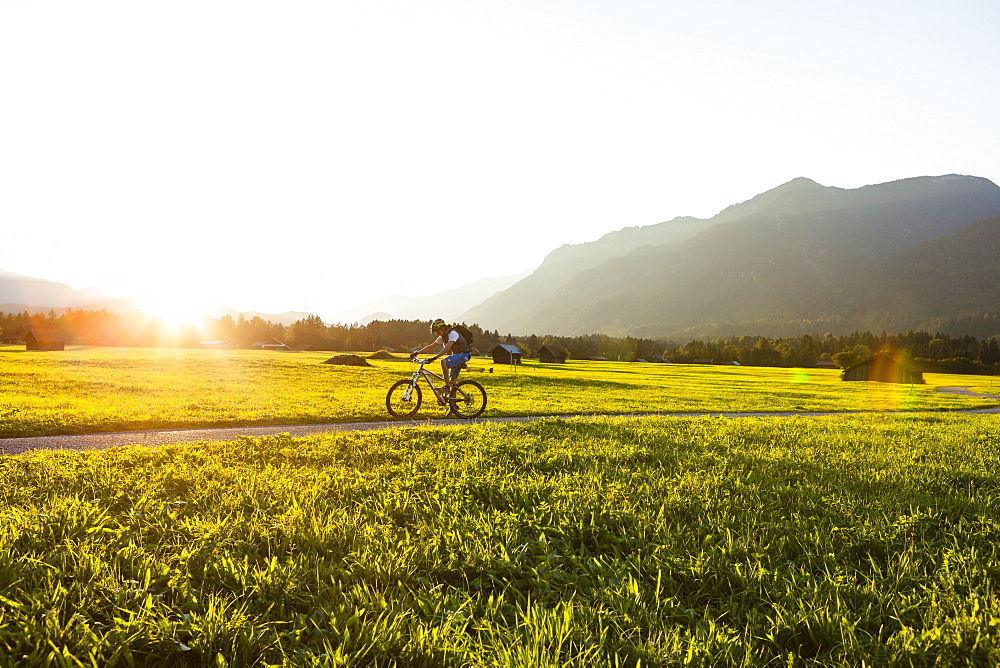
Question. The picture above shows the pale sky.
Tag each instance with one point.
(319, 155)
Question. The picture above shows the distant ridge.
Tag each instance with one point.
(19, 294)
(449, 304)
(16, 289)
(36, 295)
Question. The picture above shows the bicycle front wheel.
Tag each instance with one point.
(469, 401)
(403, 399)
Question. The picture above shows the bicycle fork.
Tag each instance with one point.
(408, 392)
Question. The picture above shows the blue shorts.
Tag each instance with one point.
(456, 361)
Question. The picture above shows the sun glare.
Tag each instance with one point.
(175, 312)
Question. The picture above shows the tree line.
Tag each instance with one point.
(938, 352)
(935, 352)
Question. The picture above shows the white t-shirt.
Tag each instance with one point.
(452, 336)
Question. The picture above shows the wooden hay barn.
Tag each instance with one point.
(885, 368)
(505, 354)
(44, 338)
(15, 336)
(273, 344)
(551, 355)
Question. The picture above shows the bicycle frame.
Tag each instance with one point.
(422, 372)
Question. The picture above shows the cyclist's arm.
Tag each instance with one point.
(429, 346)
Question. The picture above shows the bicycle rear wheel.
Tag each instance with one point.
(469, 400)
(403, 399)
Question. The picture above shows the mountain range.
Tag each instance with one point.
(800, 258)
(915, 254)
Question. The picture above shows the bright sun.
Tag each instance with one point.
(174, 310)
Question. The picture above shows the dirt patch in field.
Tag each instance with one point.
(348, 360)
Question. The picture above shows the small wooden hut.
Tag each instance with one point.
(14, 336)
(505, 354)
(885, 368)
(214, 345)
(272, 344)
(44, 338)
(551, 355)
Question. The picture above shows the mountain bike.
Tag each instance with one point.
(467, 400)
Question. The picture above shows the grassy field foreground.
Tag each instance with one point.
(84, 390)
(583, 542)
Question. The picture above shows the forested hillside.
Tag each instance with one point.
(940, 278)
(769, 265)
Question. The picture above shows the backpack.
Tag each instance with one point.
(464, 332)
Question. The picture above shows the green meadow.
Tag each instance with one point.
(848, 540)
(867, 539)
(86, 390)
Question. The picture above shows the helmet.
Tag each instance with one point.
(437, 324)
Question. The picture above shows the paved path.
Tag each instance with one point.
(101, 441)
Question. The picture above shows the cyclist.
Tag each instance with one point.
(457, 351)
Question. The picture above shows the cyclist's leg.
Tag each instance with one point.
(453, 366)
(445, 372)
